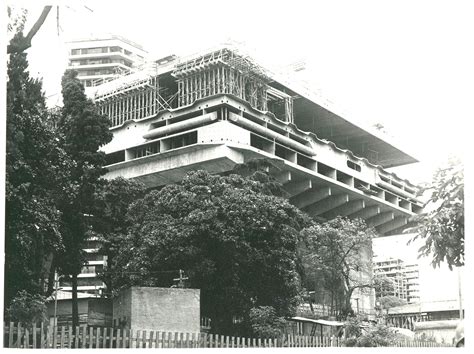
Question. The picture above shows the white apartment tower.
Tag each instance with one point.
(101, 59)
(405, 278)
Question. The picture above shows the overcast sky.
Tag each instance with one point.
(405, 64)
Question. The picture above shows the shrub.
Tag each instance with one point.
(27, 308)
(376, 336)
(265, 322)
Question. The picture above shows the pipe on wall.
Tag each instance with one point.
(270, 133)
(186, 124)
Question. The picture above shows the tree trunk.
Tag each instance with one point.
(75, 309)
(26, 42)
(347, 307)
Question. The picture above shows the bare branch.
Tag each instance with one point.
(26, 41)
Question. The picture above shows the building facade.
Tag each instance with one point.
(88, 280)
(217, 109)
(101, 59)
(405, 278)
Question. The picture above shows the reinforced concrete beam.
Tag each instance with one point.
(396, 223)
(351, 207)
(327, 204)
(381, 219)
(310, 197)
(366, 213)
(298, 187)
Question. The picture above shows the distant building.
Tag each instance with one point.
(93, 311)
(88, 280)
(436, 319)
(405, 278)
(101, 59)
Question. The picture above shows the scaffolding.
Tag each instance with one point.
(171, 83)
(221, 71)
(133, 97)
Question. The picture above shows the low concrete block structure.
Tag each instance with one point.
(158, 309)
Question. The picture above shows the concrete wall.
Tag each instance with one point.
(159, 309)
(166, 309)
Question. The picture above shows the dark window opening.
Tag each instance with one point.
(354, 166)
(115, 157)
(146, 150)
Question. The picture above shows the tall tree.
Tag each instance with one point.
(340, 250)
(36, 175)
(441, 224)
(85, 131)
(234, 242)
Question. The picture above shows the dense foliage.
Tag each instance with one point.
(234, 242)
(112, 200)
(373, 336)
(338, 256)
(84, 131)
(390, 301)
(37, 175)
(441, 224)
(27, 308)
(265, 322)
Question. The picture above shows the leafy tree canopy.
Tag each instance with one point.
(27, 308)
(265, 323)
(390, 301)
(112, 200)
(235, 243)
(383, 285)
(37, 173)
(441, 224)
(338, 252)
(84, 131)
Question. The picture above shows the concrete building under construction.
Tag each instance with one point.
(216, 109)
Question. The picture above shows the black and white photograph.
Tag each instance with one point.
(235, 174)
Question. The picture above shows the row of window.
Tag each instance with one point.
(99, 61)
(96, 72)
(99, 50)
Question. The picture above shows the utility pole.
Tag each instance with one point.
(461, 316)
(56, 283)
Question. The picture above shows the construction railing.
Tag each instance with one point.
(41, 336)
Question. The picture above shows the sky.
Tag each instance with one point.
(404, 64)
(436, 284)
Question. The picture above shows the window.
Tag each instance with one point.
(354, 166)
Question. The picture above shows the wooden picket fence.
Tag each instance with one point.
(40, 336)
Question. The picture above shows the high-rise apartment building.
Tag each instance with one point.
(405, 278)
(101, 59)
